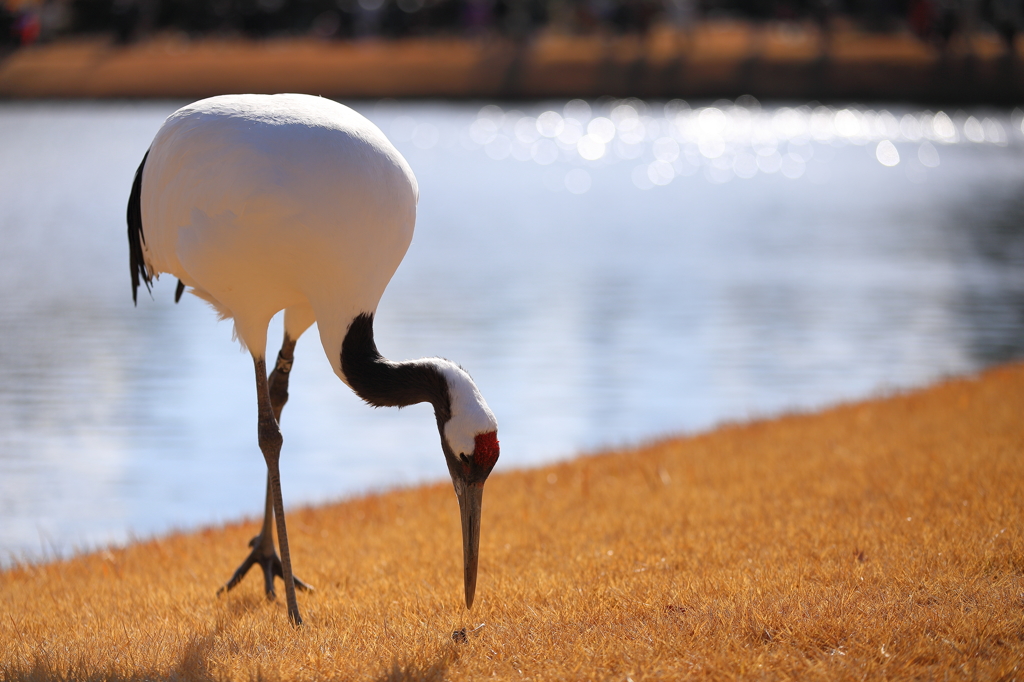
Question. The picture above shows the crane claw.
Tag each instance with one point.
(271, 565)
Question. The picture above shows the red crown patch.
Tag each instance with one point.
(485, 451)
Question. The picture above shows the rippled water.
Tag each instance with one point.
(608, 271)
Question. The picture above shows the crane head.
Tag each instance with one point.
(469, 431)
(469, 471)
(469, 438)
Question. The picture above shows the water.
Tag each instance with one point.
(601, 291)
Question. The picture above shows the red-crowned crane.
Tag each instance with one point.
(263, 203)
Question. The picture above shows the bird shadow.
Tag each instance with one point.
(192, 665)
(243, 604)
(418, 671)
(415, 671)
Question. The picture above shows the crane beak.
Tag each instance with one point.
(468, 476)
(470, 496)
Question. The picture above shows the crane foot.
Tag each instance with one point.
(268, 560)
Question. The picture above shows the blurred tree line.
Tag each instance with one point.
(25, 21)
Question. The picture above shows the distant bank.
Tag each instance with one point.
(715, 59)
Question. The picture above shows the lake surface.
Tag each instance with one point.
(609, 272)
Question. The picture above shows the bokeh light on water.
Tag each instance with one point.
(609, 271)
(725, 140)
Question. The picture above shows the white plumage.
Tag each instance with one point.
(290, 202)
(262, 203)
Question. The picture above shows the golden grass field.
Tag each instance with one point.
(880, 540)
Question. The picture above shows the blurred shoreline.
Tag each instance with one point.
(771, 60)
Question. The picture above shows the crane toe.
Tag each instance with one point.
(270, 563)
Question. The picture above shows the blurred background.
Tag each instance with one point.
(936, 21)
(925, 50)
(638, 218)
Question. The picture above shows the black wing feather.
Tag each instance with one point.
(136, 261)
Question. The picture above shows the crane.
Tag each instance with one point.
(264, 203)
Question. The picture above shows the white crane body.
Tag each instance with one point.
(263, 203)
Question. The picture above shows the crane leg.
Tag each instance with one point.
(270, 444)
(263, 552)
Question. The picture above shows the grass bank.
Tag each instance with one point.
(773, 60)
(874, 540)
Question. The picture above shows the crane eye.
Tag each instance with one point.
(465, 458)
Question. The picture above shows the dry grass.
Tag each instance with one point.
(878, 540)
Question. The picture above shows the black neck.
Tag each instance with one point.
(383, 383)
